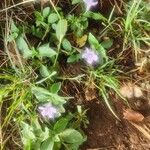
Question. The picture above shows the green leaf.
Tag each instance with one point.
(66, 45)
(71, 136)
(44, 95)
(73, 58)
(12, 36)
(23, 47)
(95, 16)
(61, 29)
(27, 131)
(52, 18)
(107, 43)
(58, 100)
(97, 46)
(44, 71)
(60, 125)
(54, 26)
(40, 93)
(53, 73)
(41, 132)
(104, 95)
(46, 12)
(38, 32)
(38, 16)
(55, 87)
(14, 27)
(75, 2)
(47, 144)
(26, 144)
(93, 41)
(46, 51)
(42, 23)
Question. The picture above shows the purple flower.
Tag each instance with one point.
(90, 3)
(90, 56)
(48, 111)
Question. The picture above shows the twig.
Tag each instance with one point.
(24, 2)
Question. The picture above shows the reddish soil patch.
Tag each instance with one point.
(105, 132)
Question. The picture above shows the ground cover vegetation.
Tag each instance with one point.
(49, 46)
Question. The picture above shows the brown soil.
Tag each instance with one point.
(105, 132)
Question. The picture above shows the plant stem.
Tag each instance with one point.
(55, 9)
(57, 54)
(24, 2)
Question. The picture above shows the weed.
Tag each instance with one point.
(136, 26)
(105, 74)
(30, 84)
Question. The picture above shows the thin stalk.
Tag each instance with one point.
(55, 9)
(21, 3)
(58, 50)
(5, 41)
(41, 81)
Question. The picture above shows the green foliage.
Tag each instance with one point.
(33, 135)
(55, 87)
(71, 138)
(73, 58)
(61, 29)
(44, 95)
(56, 34)
(15, 92)
(52, 18)
(107, 43)
(75, 2)
(46, 12)
(97, 46)
(136, 26)
(45, 51)
(14, 32)
(106, 78)
(58, 135)
(95, 16)
(61, 124)
(23, 47)
(78, 24)
(44, 71)
(66, 45)
(81, 119)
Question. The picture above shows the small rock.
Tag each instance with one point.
(130, 90)
(137, 92)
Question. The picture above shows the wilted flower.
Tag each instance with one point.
(48, 111)
(90, 56)
(90, 3)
